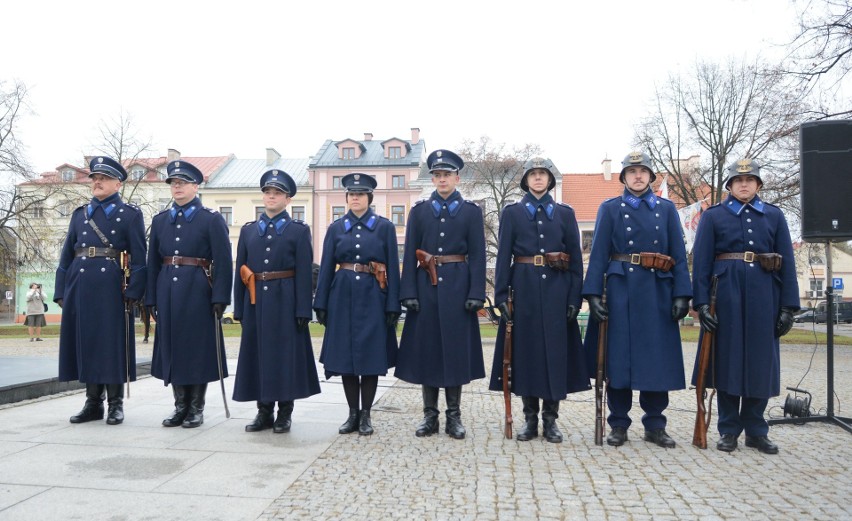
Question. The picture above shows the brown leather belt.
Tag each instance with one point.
(448, 259)
(768, 261)
(557, 260)
(360, 268)
(428, 262)
(647, 260)
(187, 261)
(376, 269)
(272, 275)
(91, 251)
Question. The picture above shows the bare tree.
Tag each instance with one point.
(492, 176)
(723, 113)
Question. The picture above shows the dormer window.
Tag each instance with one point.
(137, 173)
(67, 175)
(394, 152)
(348, 153)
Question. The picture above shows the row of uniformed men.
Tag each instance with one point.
(637, 261)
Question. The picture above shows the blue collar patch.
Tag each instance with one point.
(189, 211)
(453, 203)
(736, 207)
(531, 204)
(369, 220)
(634, 201)
(108, 205)
(280, 222)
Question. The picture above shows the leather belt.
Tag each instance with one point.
(537, 260)
(360, 268)
(448, 259)
(272, 275)
(91, 251)
(556, 260)
(767, 261)
(746, 256)
(186, 261)
(646, 260)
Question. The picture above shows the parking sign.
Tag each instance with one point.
(837, 283)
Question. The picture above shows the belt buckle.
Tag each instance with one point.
(91, 251)
(636, 258)
(174, 261)
(437, 259)
(748, 256)
(538, 260)
(262, 275)
(355, 267)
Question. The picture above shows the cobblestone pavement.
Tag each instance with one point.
(394, 474)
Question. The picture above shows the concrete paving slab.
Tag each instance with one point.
(11, 495)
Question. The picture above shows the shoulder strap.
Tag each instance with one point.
(99, 233)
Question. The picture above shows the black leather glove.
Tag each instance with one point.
(302, 323)
(322, 316)
(708, 322)
(785, 322)
(152, 311)
(411, 304)
(391, 318)
(59, 302)
(680, 307)
(597, 308)
(505, 314)
(473, 304)
(218, 309)
(572, 313)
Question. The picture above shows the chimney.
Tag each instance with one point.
(415, 135)
(607, 169)
(272, 156)
(368, 136)
(172, 155)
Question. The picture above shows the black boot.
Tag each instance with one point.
(549, 413)
(351, 423)
(429, 425)
(115, 400)
(284, 420)
(93, 409)
(263, 419)
(365, 426)
(181, 406)
(195, 416)
(454, 425)
(530, 429)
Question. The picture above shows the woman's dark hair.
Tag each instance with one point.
(369, 197)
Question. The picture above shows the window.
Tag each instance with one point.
(299, 213)
(348, 153)
(394, 152)
(335, 181)
(258, 211)
(227, 214)
(587, 241)
(337, 212)
(67, 175)
(36, 210)
(137, 174)
(816, 288)
(398, 215)
(398, 181)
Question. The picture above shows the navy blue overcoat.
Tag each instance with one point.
(92, 335)
(276, 360)
(184, 342)
(644, 350)
(547, 353)
(749, 298)
(441, 345)
(357, 340)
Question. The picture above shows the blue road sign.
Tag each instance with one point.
(837, 283)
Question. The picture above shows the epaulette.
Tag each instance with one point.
(249, 223)
(164, 210)
(299, 221)
(566, 205)
(511, 204)
(471, 202)
(611, 199)
(211, 210)
(420, 201)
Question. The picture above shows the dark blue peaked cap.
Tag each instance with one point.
(444, 160)
(185, 171)
(278, 179)
(358, 182)
(108, 167)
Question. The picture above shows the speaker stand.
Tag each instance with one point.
(828, 417)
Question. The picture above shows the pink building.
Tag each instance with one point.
(395, 164)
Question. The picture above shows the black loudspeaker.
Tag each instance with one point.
(826, 179)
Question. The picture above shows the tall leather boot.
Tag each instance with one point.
(115, 400)
(181, 393)
(93, 409)
(195, 416)
(365, 427)
(454, 425)
(549, 413)
(285, 417)
(351, 423)
(530, 429)
(263, 419)
(429, 425)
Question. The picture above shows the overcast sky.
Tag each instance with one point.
(213, 78)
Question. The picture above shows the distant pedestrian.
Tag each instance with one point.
(35, 311)
(358, 300)
(272, 301)
(97, 345)
(745, 243)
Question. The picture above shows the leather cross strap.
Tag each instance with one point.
(272, 275)
(92, 251)
(187, 261)
(647, 260)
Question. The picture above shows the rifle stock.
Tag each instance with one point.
(600, 376)
(507, 370)
(703, 413)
